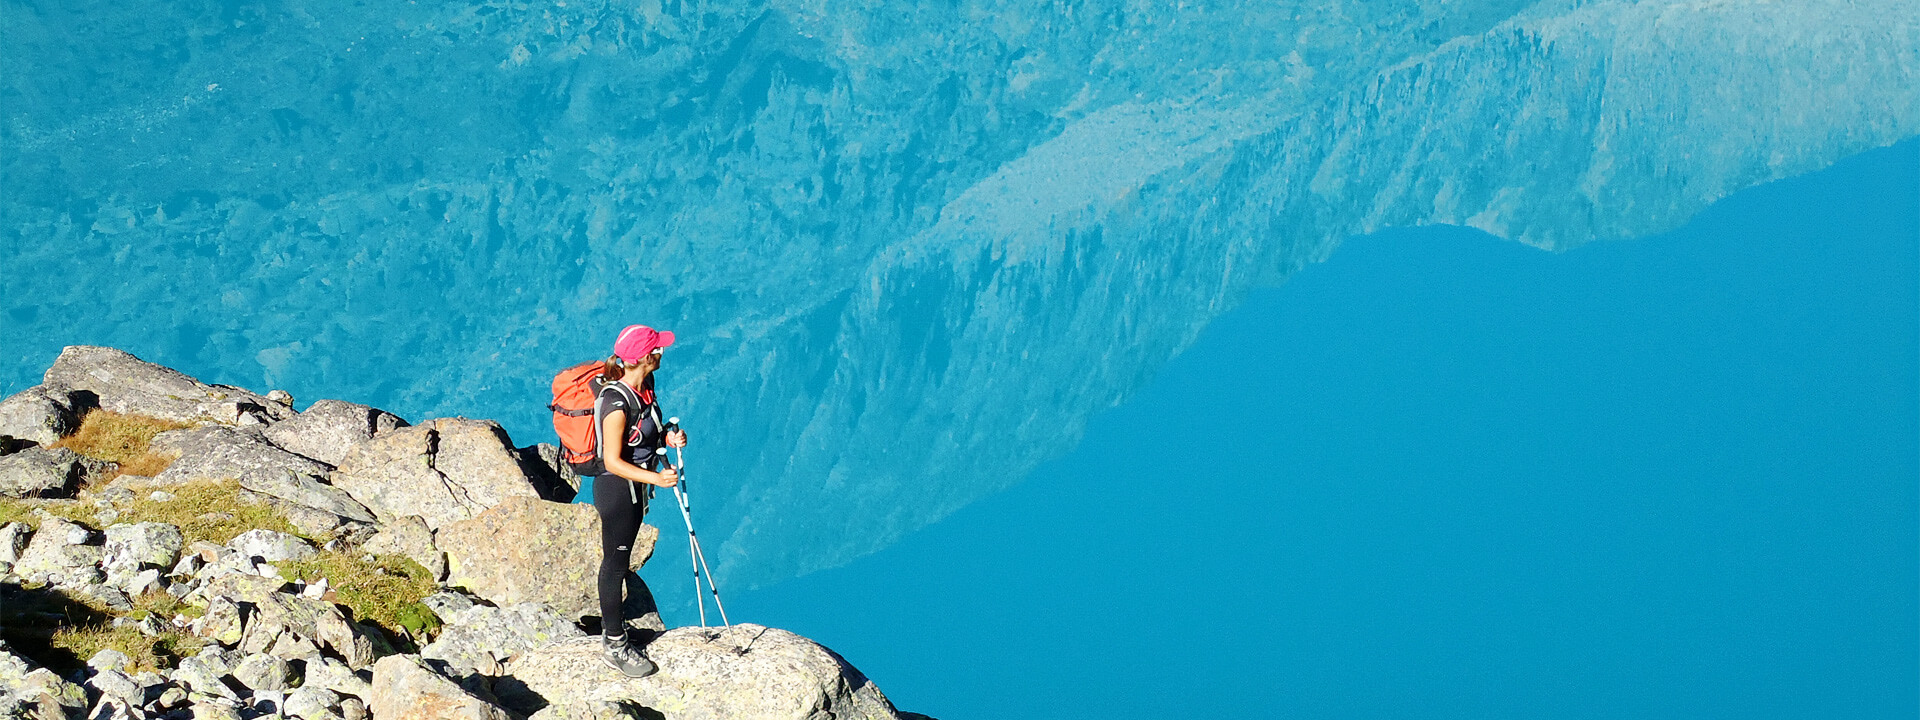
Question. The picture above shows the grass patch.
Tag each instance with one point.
(203, 510)
(211, 511)
(147, 653)
(61, 631)
(385, 593)
(21, 510)
(123, 439)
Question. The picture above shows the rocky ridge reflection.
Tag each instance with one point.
(910, 250)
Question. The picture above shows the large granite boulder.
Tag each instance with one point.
(444, 470)
(531, 550)
(45, 472)
(330, 428)
(743, 671)
(39, 414)
(115, 380)
(222, 453)
(300, 489)
(404, 688)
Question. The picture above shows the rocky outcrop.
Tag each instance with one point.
(443, 470)
(455, 496)
(531, 550)
(404, 688)
(329, 429)
(38, 415)
(705, 673)
(118, 381)
(45, 472)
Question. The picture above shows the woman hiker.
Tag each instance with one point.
(630, 431)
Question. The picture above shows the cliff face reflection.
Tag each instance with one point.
(909, 250)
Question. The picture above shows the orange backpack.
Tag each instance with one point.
(572, 406)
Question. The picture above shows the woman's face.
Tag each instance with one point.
(644, 366)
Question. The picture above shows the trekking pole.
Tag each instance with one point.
(693, 558)
(699, 553)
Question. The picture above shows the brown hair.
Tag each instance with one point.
(613, 368)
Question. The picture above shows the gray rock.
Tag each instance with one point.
(111, 597)
(52, 550)
(44, 472)
(39, 694)
(314, 523)
(531, 550)
(13, 540)
(126, 384)
(479, 639)
(264, 672)
(445, 471)
(222, 622)
(451, 607)
(329, 429)
(215, 709)
(110, 659)
(202, 674)
(705, 674)
(272, 546)
(293, 627)
(404, 688)
(171, 697)
(409, 537)
(38, 415)
(354, 708)
(133, 547)
(143, 582)
(326, 672)
(116, 685)
(312, 703)
(214, 452)
(305, 490)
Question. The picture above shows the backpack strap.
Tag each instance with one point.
(570, 413)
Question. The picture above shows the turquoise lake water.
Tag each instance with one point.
(1059, 360)
(1447, 476)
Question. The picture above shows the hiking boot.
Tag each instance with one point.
(621, 655)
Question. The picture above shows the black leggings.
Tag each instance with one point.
(619, 524)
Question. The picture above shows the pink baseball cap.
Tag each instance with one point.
(637, 341)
